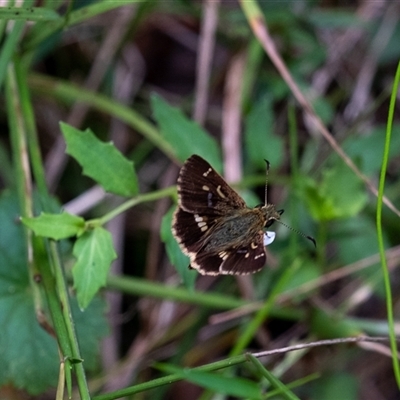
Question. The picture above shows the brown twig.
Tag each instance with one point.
(204, 59)
(319, 343)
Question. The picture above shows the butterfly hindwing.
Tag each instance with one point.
(233, 261)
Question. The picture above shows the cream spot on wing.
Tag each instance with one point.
(253, 245)
(207, 172)
(206, 188)
(219, 191)
(223, 255)
(259, 255)
(200, 222)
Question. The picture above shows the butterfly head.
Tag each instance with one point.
(270, 214)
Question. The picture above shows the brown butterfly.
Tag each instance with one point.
(214, 226)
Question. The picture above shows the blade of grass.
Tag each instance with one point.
(379, 205)
(252, 327)
(28, 13)
(294, 384)
(284, 391)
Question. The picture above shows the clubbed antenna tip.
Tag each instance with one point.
(312, 240)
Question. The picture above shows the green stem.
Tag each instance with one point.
(156, 195)
(381, 245)
(71, 93)
(24, 136)
(32, 137)
(283, 391)
(166, 380)
(143, 287)
(82, 14)
(22, 172)
(62, 290)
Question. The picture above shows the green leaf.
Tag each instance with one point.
(237, 387)
(334, 19)
(341, 385)
(340, 194)
(261, 142)
(345, 189)
(29, 355)
(356, 239)
(185, 136)
(175, 255)
(368, 148)
(94, 251)
(55, 226)
(309, 272)
(28, 14)
(101, 161)
(330, 326)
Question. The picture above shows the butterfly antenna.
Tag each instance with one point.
(310, 238)
(266, 182)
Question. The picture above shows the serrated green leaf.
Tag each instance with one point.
(101, 161)
(185, 136)
(261, 143)
(237, 387)
(94, 251)
(175, 255)
(29, 356)
(55, 226)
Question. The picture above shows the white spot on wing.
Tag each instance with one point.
(269, 237)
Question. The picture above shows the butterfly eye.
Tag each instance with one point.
(269, 223)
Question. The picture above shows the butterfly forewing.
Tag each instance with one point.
(202, 190)
(191, 234)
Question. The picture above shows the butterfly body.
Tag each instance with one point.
(214, 226)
